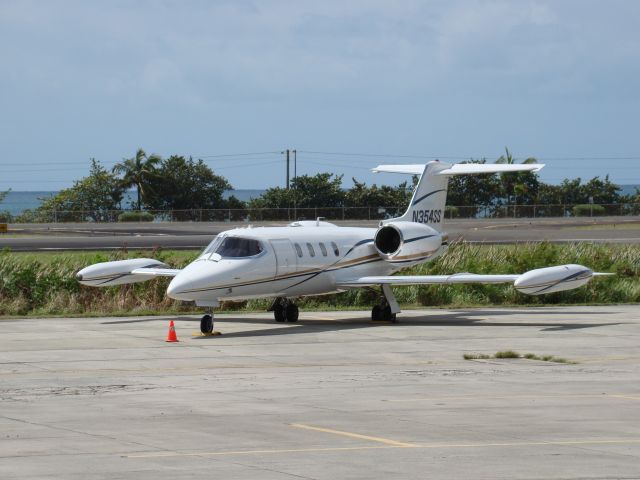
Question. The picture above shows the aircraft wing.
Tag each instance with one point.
(156, 272)
(121, 272)
(533, 282)
(462, 168)
(428, 279)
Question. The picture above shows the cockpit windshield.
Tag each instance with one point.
(237, 247)
(213, 245)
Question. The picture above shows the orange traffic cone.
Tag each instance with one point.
(172, 337)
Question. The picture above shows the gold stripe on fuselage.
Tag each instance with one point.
(309, 271)
(284, 276)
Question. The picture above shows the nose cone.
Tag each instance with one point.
(194, 282)
(179, 287)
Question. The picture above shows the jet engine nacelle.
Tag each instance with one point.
(406, 241)
(553, 279)
(118, 272)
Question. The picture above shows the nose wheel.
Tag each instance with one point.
(285, 311)
(206, 324)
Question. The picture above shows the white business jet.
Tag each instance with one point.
(317, 257)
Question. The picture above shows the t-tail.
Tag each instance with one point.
(427, 204)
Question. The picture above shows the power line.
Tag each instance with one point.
(236, 154)
(468, 157)
(230, 157)
(56, 166)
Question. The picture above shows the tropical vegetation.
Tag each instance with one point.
(181, 188)
(44, 284)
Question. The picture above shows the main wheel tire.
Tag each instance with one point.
(376, 313)
(387, 316)
(206, 324)
(291, 313)
(279, 313)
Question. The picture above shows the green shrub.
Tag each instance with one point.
(6, 217)
(135, 216)
(588, 210)
(507, 354)
(451, 212)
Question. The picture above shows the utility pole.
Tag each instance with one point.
(295, 164)
(295, 178)
(287, 184)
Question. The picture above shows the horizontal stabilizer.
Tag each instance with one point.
(415, 169)
(462, 168)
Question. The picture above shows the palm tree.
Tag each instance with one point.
(510, 160)
(514, 182)
(137, 171)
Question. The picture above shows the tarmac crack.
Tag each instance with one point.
(79, 432)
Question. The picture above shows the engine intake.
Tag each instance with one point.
(388, 240)
(404, 242)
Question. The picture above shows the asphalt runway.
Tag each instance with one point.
(331, 397)
(196, 235)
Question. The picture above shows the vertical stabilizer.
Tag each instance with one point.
(429, 197)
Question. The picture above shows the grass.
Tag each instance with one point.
(512, 354)
(44, 283)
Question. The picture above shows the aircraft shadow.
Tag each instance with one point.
(433, 317)
(454, 319)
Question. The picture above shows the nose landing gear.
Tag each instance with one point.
(206, 323)
(284, 310)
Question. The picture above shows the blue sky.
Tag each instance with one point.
(557, 80)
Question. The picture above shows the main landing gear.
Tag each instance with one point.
(284, 310)
(388, 307)
(382, 313)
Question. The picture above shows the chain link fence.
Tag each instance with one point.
(329, 213)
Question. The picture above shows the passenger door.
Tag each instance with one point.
(286, 258)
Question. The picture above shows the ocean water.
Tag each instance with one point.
(17, 202)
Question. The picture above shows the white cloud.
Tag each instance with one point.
(428, 72)
(274, 49)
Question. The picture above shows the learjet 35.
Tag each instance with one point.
(318, 257)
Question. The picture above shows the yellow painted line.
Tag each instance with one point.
(379, 447)
(386, 441)
(617, 358)
(626, 397)
(509, 397)
(251, 452)
(532, 444)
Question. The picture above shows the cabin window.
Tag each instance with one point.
(323, 249)
(298, 249)
(238, 247)
(312, 252)
(335, 248)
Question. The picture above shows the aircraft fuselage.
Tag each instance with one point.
(288, 262)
